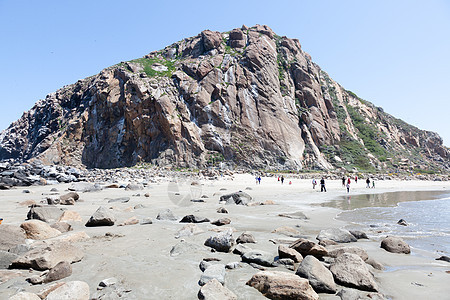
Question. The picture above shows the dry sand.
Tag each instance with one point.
(139, 256)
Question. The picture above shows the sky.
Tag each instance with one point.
(394, 54)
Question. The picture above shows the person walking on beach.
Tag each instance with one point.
(256, 179)
(373, 183)
(259, 179)
(348, 187)
(314, 182)
(322, 185)
(368, 182)
(343, 180)
(348, 180)
(356, 178)
(282, 179)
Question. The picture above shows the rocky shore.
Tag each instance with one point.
(35, 173)
(153, 233)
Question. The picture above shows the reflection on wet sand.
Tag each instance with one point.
(350, 202)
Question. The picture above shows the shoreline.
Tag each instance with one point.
(134, 248)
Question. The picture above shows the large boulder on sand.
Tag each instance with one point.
(306, 247)
(318, 275)
(166, 215)
(11, 236)
(214, 290)
(62, 270)
(337, 235)
(351, 271)
(222, 242)
(282, 285)
(338, 250)
(286, 252)
(45, 213)
(395, 245)
(216, 271)
(47, 256)
(258, 257)
(101, 217)
(239, 198)
(38, 230)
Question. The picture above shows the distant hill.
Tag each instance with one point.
(246, 98)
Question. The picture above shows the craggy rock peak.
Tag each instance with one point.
(247, 98)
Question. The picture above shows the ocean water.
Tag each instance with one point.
(427, 214)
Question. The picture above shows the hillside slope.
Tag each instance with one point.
(245, 98)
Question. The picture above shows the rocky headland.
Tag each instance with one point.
(243, 98)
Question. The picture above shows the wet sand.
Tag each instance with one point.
(139, 255)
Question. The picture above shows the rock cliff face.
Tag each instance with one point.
(244, 98)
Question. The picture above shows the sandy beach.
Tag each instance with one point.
(139, 256)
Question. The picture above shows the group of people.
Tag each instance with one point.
(345, 183)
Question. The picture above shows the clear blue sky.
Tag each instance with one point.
(395, 54)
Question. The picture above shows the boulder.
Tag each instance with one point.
(211, 39)
(130, 221)
(193, 219)
(221, 222)
(45, 213)
(69, 201)
(351, 271)
(337, 235)
(134, 187)
(444, 258)
(222, 210)
(282, 285)
(286, 252)
(222, 241)
(146, 221)
(118, 200)
(6, 258)
(62, 270)
(11, 236)
(285, 262)
(166, 215)
(326, 243)
(108, 282)
(24, 296)
(259, 257)
(295, 215)
(69, 195)
(318, 275)
(72, 290)
(45, 256)
(216, 271)
(239, 198)
(335, 251)
(358, 234)
(402, 222)
(305, 247)
(102, 217)
(395, 245)
(246, 237)
(38, 230)
(84, 187)
(214, 290)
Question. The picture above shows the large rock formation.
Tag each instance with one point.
(247, 97)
